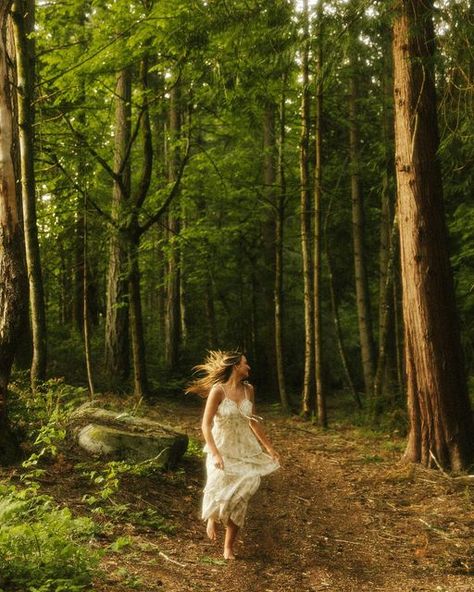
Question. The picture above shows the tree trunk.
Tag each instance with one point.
(317, 296)
(172, 319)
(360, 266)
(116, 328)
(85, 306)
(305, 220)
(13, 288)
(335, 314)
(385, 374)
(269, 362)
(140, 381)
(279, 237)
(23, 19)
(441, 425)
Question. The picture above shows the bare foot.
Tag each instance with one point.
(229, 554)
(211, 529)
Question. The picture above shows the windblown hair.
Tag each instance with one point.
(217, 367)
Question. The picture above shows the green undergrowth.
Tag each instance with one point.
(43, 547)
(108, 482)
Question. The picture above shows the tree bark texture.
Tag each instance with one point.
(268, 363)
(305, 221)
(140, 380)
(441, 425)
(385, 381)
(279, 261)
(13, 287)
(358, 229)
(23, 19)
(116, 328)
(172, 318)
(317, 259)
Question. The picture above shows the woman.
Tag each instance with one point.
(235, 460)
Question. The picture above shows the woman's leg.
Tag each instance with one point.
(230, 535)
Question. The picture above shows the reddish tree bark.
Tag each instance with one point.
(441, 425)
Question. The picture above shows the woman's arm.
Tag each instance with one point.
(212, 403)
(259, 431)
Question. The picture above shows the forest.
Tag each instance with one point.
(289, 179)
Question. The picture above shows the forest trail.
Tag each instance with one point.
(338, 516)
(342, 515)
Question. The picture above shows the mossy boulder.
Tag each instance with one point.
(122, 436)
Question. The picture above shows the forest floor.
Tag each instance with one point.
(341, 515)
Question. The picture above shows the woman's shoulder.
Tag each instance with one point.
(217, 389)
(249, 387)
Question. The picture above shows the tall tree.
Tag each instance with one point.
(116, 329)
(13, 288)
(23, 12)
(140, 380)
(172, 319)
(317, 238)
(280, 207)
(441, 424)
(305, 217)
(358, 229)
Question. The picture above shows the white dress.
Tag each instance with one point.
(227, 492)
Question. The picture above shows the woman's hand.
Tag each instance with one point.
(218, 461)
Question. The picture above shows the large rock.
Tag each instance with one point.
(119, 435)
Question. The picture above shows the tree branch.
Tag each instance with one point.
(172, 194)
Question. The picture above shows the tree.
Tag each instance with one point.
(358, 229)
(317, 235)
(116, 331)
(305, 218)
(12, 269)
(23, 20)
(441, 425)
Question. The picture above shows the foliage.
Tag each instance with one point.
(108, 479)
(232, 60)
(43, 548)
(40, 418)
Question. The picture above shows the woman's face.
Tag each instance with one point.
(243, 368)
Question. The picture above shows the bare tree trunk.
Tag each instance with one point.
(385, 374)
(23, 19)
(335, 314)
(140, 379)
(172, 323)
(305, 220)
(317, 297)
(85, 305)
(269, 236)
(441, 424)
(13, 288)
(279, 238)
(116, 330)
(358, 228)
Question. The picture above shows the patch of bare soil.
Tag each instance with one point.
(341, 515)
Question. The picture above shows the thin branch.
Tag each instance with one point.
(78, 188)
(117, 178)
(172, 194)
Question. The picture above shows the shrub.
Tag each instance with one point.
(43, 548)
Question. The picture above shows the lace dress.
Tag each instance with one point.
(227, 492)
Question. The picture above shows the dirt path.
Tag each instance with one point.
(339, 516)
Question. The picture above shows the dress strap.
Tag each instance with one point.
(245, 390)
(225, 393)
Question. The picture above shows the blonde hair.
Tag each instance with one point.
(217, 367)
